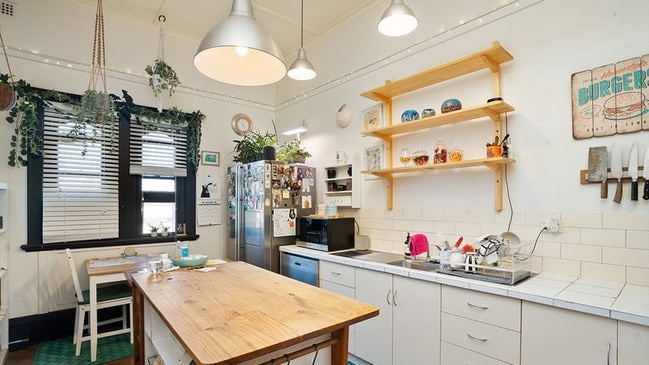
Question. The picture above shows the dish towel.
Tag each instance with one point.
(418, 244)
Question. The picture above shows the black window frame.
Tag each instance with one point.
(130, 201)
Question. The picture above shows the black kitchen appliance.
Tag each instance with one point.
(326, 233)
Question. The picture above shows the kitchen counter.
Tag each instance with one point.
(239, 312)
(620, 301)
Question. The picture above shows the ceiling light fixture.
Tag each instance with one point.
(397, 20)
(237, 51)
(301, 69)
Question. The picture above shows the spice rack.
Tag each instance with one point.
(490, 58)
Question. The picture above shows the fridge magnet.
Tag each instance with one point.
(372, 117)
(210, 158)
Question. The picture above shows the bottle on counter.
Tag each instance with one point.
(406, 247)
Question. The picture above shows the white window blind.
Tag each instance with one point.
(80, 190)
(157, 149)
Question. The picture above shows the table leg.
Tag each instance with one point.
(340, 350)
(93, 318)
(138, 326)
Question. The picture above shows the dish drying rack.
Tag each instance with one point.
(510, 269)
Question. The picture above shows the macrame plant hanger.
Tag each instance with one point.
(7, 92)
(98, 68)
(161, 56)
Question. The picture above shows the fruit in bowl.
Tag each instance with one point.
(420, 157)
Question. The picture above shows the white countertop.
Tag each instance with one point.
(615, 300)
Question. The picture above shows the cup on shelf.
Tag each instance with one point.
(494, 151)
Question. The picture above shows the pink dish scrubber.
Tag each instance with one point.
(418, 244)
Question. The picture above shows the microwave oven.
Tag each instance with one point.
(326, 234)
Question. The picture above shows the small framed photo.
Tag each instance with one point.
(374, 157)
(372, 117)
(210, 158)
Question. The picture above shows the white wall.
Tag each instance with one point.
(549, 40)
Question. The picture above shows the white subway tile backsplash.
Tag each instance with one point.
(456, 215)
(608, 246)
(603, 237)
(626, 256)
(637, 239)
(581, 220)
(603, 271)
(581, 252)
(632, 221)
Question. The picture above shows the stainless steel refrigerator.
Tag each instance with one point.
(266, 199)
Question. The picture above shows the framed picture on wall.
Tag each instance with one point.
(374, 159)
(372, 117)
(210, 158)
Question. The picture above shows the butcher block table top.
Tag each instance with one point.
(239, 312)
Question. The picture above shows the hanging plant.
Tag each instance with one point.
(24, 117)
(95, 114)
(162, 78)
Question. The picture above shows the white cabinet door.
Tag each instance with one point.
(633, 343)
(416, 322)
(558, 336)
(374, 336)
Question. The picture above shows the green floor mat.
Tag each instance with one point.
(61, 351)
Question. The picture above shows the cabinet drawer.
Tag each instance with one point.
(455, 355)
(337, 273)
(496, 342)
(483, 307)
(338, 288)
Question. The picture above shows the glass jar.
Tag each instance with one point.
(405, 156)
(440, 152)
(455, 154)
(420, 157)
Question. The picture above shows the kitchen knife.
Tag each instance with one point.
(633, 171)
(598, 168)
(616, 171)
(645, 174)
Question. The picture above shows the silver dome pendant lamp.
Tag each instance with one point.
(397, 20)
(301, 69)
(237, 51)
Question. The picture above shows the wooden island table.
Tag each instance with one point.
(238, 313)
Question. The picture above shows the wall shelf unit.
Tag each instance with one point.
(490, 58)
(351, 196)
(4, 286)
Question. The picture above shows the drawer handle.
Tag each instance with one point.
(476, 306)
(334, 273)
(476, 338)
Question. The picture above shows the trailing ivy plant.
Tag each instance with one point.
(26, 138)
(162, 77)
(95, 110)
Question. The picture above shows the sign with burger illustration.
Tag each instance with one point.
(611, 99)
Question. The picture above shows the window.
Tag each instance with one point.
(106, 186)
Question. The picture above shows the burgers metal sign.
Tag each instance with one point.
(611, 99)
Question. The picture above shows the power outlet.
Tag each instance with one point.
(555, 225)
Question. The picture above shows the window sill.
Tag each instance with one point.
(107, 243)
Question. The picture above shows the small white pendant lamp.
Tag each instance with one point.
(237, 51)
(397, 20)
(301, 69)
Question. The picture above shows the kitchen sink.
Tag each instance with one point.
(416, 265)
(369, 255)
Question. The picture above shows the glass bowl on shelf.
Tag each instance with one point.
(420, 157)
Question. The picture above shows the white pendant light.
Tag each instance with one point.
(301, 69)
(397, 20)
(237, 51)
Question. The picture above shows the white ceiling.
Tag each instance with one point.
(280, 18)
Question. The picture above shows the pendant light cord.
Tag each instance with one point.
(302, 25)
(161, 41)
(4, 50)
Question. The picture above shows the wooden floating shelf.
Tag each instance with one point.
(489, 58)
(493, 163)
(491, 110)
